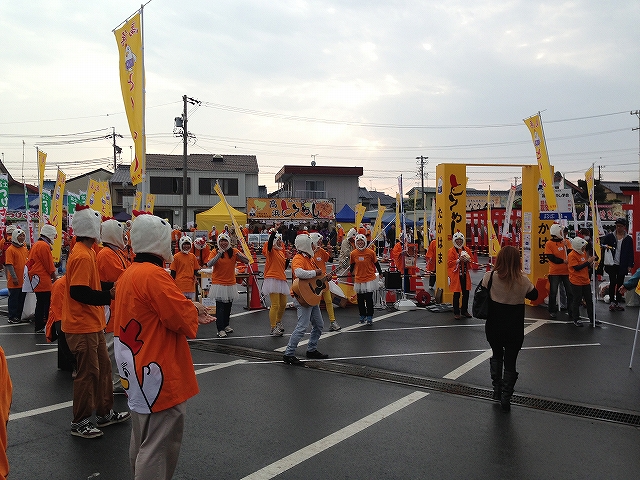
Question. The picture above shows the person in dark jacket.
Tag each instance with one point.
(505, 323)
(621, 246)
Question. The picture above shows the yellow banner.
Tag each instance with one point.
(137, 201)
(107, 207)
(494, 244)
(42, 163)
(150, 202)
(131, 62)
(377, 226)
(360, 210)
(398, 226)
(94, 193)
(537, 135)
(56, 213)
(590, 179)
(238, 230)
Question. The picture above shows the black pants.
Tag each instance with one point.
(506, 354)
(616, 279)
(580, 292)
(456, 302)
(66, 359)
(223, 313)
(365, 304)
(43, 301)
(554, 283)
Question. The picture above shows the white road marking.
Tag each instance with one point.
(290, 461)
(220, 366)
(346, 329)
(28, 354)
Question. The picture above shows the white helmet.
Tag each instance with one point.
(351, 233)
(304, 243)
(17, 233)
(578, 244)
(184, 240)
(316, 239)
(199, 243)
(361, 239)
(556, 230)
(224, 236)
(458, 240)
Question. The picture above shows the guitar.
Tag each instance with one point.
(309, 292)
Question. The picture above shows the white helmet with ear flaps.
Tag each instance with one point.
(351, 233)
(361, 241)
(556, 230)
(458, 240)
(184, 239)
(578, 244)
(316, 239)
(304, 244)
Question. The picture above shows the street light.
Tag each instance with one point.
(181, 123)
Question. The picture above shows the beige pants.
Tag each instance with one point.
(155, 443)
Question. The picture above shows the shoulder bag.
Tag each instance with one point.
(481, 298)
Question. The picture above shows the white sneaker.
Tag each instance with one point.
(334, 327)
(228, 329)
(222, 334)
(276, 332)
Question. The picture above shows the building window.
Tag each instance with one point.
(314, 185)
(168, 185)
(229, 186)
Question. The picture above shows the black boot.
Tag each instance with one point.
(508, 382)
(495, 368)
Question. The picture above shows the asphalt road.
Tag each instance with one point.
(404, 398)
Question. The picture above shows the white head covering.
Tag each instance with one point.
(316, 239)
(304, 244)
(184, 239)
(578, 244)
(556, 230)
(14, 237)
(151, 234)
(363, 238)
(351, 233)
(49, 231)
(224, 236)
(199, 243)
(112, 231)
(86, 223)
(458, 240)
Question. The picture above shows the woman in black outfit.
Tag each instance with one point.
(621, 246)
(505, 323)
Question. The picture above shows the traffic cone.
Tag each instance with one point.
(255, 302)
(392, 266)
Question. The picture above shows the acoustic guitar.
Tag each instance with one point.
(309, 292)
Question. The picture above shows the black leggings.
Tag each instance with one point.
(508, 355)
(223, 313)
(365, 304)
(616, 279)
(465, 302)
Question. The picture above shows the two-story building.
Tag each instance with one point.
(236, 174)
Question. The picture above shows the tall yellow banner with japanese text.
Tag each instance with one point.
(42, 163)
(360, 211)
(150, 202)
(56, 213)
(590, 179)
(494, 244)
(131, 62)
(137, 201)
(537, 135)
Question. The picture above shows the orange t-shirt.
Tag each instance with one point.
(365, 265)
(224, 271)
(152, 323)
(561, 250)
(202, 255)
(82, 270)
(185, 265)
(6, 389)
(275, 262)
(58, 296)
(578, 277)
(111, 263)
(40, 263)
(320, 256)
(16, 256)
(303, 262)
(397, 256)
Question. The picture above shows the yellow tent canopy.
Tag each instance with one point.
(218, 216)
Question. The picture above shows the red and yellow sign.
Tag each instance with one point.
(289, 209)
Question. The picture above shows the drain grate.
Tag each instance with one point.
(440, 385)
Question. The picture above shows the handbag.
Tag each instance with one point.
(608, 257)
(481, 298)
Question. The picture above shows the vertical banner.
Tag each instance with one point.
(377, 227)
(398, 229)
(73, 199)
(589, 177)
(42, 163)
(131, 66)
(94, 192)
(402, 218)
(149, 202)
(45, 206)
(425, 227)
(432, 220)
(360, 210)
(494, 244)
(241, 239)
(507, 211)
(56, 214)
(537, 135)
(4, 202)
(137, 201)
(415, 220)
(105, 201)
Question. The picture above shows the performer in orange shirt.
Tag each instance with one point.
(176, 233)
(53, 329)
(201, 250)
(6, 389)
(557, 252)
(579, 263)
(152, 321)
(364, 264)
(320, 257)
(83, 322)
(458, 259)
(303, 267)
(223, 281)
(275, 280)
(112, 261)
(42, 274)
(15, 260)
(431, 263)
(184, 269)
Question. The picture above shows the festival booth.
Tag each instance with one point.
(219, 216)
(346, 217)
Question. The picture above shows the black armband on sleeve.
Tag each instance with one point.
(553, 259)
(85, 294)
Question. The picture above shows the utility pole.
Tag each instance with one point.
(185, 140)
(422, 159)
(116, 149)
(637, 114)
(600, 167)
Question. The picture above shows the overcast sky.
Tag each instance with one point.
(366, 83)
